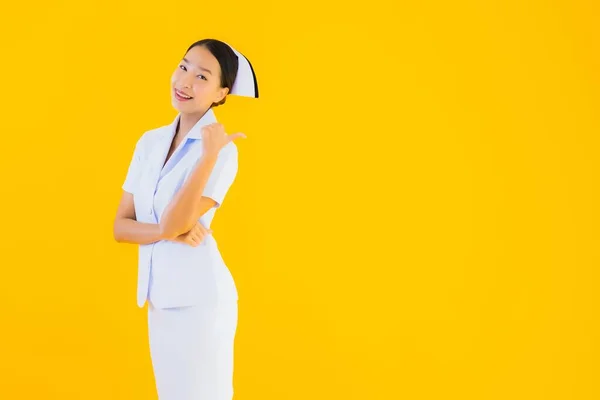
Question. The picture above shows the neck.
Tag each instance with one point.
(187, 122)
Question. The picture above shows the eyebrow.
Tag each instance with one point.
(199, 67)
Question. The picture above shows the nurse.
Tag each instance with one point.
(178, 177)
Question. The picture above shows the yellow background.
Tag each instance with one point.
(415, 215)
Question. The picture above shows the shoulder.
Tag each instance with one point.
(228, 154)
(150, 137)
(153, 135)
(229, 150)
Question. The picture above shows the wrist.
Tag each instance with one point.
(209, 156)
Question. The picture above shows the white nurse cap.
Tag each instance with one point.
(245, 82)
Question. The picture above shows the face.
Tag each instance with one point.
(196, 82)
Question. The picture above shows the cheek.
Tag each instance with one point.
(202, 90)
(176, 76)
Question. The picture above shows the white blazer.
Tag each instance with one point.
(173, 274)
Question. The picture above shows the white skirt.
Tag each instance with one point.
(192, 351)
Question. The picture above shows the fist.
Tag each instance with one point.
(195, 236)
(214, 138)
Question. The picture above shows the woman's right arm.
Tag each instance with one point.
(127, 230)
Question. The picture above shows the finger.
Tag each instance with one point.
(198, 237)
(235, 136)
(197, 228)
(194, 241)
(204, 230)
(212, 127)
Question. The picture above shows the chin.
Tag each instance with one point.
(176, 105)
(183, 108)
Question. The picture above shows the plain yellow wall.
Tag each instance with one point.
(415, 215)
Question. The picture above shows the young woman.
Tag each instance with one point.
(178, 176)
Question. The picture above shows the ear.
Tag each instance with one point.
(221, 94)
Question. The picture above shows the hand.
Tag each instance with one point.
(195, 236)
(214, 138)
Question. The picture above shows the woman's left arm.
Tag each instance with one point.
(190, 202)
(182, 212)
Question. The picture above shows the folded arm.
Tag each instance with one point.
(127, 230)
(188, 205)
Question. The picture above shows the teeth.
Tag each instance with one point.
(183, 95)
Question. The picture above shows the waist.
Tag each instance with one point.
(174, 253)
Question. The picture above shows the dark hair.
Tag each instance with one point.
(228, 61)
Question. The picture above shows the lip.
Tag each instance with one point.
(178, 95)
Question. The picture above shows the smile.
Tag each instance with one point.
(181, 96)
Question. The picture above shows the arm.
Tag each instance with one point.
(188, 204)
(127, 230)
(204, 188)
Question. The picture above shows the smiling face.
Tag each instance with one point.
(196, 82)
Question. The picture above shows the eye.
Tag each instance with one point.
(181, 66)
(202, 77)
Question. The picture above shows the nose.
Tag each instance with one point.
(185, 82)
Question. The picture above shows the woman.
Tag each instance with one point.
(178, 177)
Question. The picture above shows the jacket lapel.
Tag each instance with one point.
(156, 159)
(194, 134)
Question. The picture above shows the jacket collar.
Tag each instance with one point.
(196, 131)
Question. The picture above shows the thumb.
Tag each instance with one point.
(235, 136)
